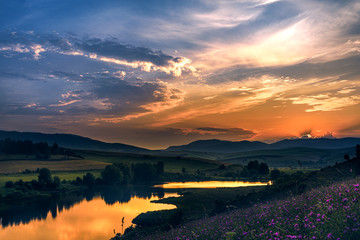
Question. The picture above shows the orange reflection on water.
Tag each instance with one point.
(90, 220)
(212, 184)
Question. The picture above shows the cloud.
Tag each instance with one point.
(100, 95)
(113, 49)
(215, 131)
(306, 134)
(234, 133)
(325, 102)
(107, 50)
(35, 49)
(145, 99)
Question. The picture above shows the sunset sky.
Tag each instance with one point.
(156, 73)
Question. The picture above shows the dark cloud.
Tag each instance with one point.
(237, 131)
(354, 29)
(306, 133)
(201, 131)
(346, 67)
(352, 128)
(112, 48)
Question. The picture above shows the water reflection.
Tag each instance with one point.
(81, 215)
(211, 184)
(93, 214)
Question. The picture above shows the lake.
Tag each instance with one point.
(210, 184)
(93, 214)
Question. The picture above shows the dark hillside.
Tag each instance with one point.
(72, 141)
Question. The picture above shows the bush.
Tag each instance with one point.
(9, 184)
(112, 175)
(44, 177)
(275, 174)
(263, 169)
(35, 184)
(27, 171)
(89, 179)
(144, 172)
(56, 182)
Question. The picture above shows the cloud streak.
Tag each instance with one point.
(109, 51)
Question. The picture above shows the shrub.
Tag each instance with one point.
(112, 175)
(89, 179)
(9, 184)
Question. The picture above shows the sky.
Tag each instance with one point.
(156, 73)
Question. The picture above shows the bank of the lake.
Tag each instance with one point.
(62, 212)
(92, 214)
(194, 203)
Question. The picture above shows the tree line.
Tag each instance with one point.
(116, 174)
(39, 149)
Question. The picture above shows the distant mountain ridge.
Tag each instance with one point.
(211, 146)
(72, 141)
(219, 146)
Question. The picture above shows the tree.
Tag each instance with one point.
(42, 148)
(54, 150)
(112, 175)
(347, 157)
(358, 151)
(28, 147)
(144, 172)
(56, 182)
(9, 184)
(89, 179)
(44, 177)
(263, 169)
(126, 171)
(274, 174)
(253, 165)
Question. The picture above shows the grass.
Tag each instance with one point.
(64, 175)
(197, 203)
(294, 170)
(325, 213)
(18, 166)
(171, 164)
(309, 157)
(12, 166)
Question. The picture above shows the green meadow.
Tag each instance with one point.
(13, 167)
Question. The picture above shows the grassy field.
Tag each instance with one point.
(18, 166)
(63, 175)
(171, 164)
(330, 212)
(12, 166)
(197, 203)
(309, 157)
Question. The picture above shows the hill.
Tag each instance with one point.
(72, 141)
(219, 146)
(319, 143)
(289, 157)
